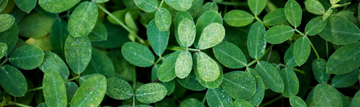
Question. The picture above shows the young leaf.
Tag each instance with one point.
(158, 39)
(163, 19)
(229, 55)
(7, 21)
(278, 34)
(257, 6)
(166, 71)
(53, 62)
(344, 59)
(217, 97)
(275, 17)
(13, 81)
(10, 37)
(319, 70)
(315, 26)
(35, 25)
(99, 33)
(57, 35)
(170, 86)
(207, 68)
(340, 31)
(90, 93)
(77, 53)
(191, 83)
(183, 64)
(212, 35)
(238, 18)
(302, 50)
(186, 32)
(314, 7)
(255, 42)
(204, 20)
(327, 96)
(291, 82)
(180, 5)
(26, 5)
(54, 89)
(289, 56)
(27, 57)
(239, 85)
(355, 100)
(150, 93)
(71, 88)
(83, 19)
(100, 63)
(57, 6)
(3, 49)
(293, 12)
(345, 80)
(242, 103)
(118, 89)
(147, 5)
(258, 97)
(191, 102)
(137, 54)
(296, 101)
(270, 76)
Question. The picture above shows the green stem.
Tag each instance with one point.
(162, 1)
(134, 87)
(233, 3)
(158, 60)
(22, 105)
(122, 24)
(267, 50)
(299, 32)
(273, 100)
(317, 55)
(35, 89)
(72, 79)
(6, 59)
(175, 48)
(295, 69)
(327, 49)
(204, 99)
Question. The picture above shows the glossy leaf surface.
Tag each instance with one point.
(238, 18)
(314, 7)
(90, 93)
(218, 97)
(57, 36)
(255, 42)
(137, 54)
(190, 82)
(302, 50)
(147, 5)
(229, 55)
(77, 53)
(345, 80)
(289, 56)
(26, 5)
(10, 37)
(27, 57)
(258, 97)
(278, 34)
(100, 63)
(296, 101)
(83, 19)
(275, 17)
(315, 26)
(7, 21)
(257, 6)
(239, 85)
(242, 103)
(118, 89)
(3, 49)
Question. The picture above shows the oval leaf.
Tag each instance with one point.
(271, 77)
(13, 81)
(203, 21)
(302, 50)
(57, 36)
(190, 82)
(3, 49)
(3, 4)
(207, 68)
(212, 35)
(118, 89)
(208, 84)
(166, 71)
(278, 34)
(147, 5)
(315, 26)
(57, 6)
(10, 37)
(26, 5)
(242, 103)
(27, 57)
(54, 89)
(314, 7)
(183, 64)
(170, 86)
(239, 85)
(180, 5)
(99, 33)
(289, 56)
(256, 6)
(229, 55)
(53, 62)
(293, 12)
(355, 100)
(7, 21)
(344, 59)
(35, 25)
(258, 97)
(71, 88)
(100, 63)
(137, 54)
(150, 93)
(319, 70)
(186, 32)
(163, 19)
(327, 96)
(217, 97)
(291, 82)
(275, 17)
(191, 102)
(238, 18)
(255, 42)
(158, 39)
(77, 53)
(296, 101)
(83, 19)
(345, 80)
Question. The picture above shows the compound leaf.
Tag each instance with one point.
(271, 77)
(10, 37)
(13, 81)
(275, 17)
(238, 18)
(293, 12)
(147, 5)
(52, 62)
(255, 42)
(207, 68)
(158, 39)
(137, 54)
(319, 70)
(327, 96)
(344, 59)
(100, 63)
(278, 34)
(99, 33)
(166, 71)
(190, 82)
(258, 97)
(183, 64)
(150, 93)
(57, 36)
(239, 85)
(217, 97)
(35, 25)
(345, 80)
(212, 35)
(83, 19)
(77, 53)
(27, 57)
(291, 82)
(118, 89)
(302, 50)
(7, 21)
(257, 6)
(229, 55)
(57, 6)
(191, 102)
(163, 19)
(180, 5)
(315, 26)
(54, 89)
(296, 101)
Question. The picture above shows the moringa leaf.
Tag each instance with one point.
(163, 19)
(13, 81)
(344, 60)
(57, 6)
(291, 82)
(238, 18)
(27, 57)
(183, 64)
(26, 5)
(229, 55)
(239, 85)
(52, 62)
(255, 42)
(35, 25)
(7, 21)
(180, 5)
(77, 53)
(275, 17)
(147, 5)
(296, 101)
(257, 6)
(83, 19)
(54, 89)
(166, 71)
(345, 80)
(150, 93)
(293, 12)
(158, 39)
(278, 34)
(137, 54)
(315, 26)
(216, 97)
(100, 63)
(319, 70)
(271, 77)
(57, 35)
(212, 35)
(99, 33)
(118, 89)
(302, 50)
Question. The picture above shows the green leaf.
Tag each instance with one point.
(163, 19)
(3, 49)
(53, 62)
(137, 54)
(207, 68)
(26, 5)
(13, 81)
(314, 7)
(166, 71)
(319, 70)
(242, 103)
(191, 102)
(147, 5)
(86, 77)
(327, 13)
(77, 53)
(291, 82)
(100, 63)
(296, 101)
(344, 59)
(258, 97)
(117, 37)
(345, 100)
(100, 1)
(7, 21)
(289, 56)
(158, 39)
(257, 6)
(99, 33)
(293, 12)
(71, 88)
(334, 1)
(196, 7)
(35, 25)
(57, 6)
(238, 18)
(170, 86)
(43, 104)
(186, 32)
(239, 85)
(3, 4)
(340, 31)
(90, 93)
(217, 97)
(278, 34)
(229, 55)
(208, 6)
(271, 77)
(57, 35)
(191, 83)
(315, 26)
(118, 89)
(150, 93)
(54, 89)
(302, 50)
(212, 35)
(180, 5)
(83, 19)
(203, 21)
(275, 17)
(345, 80)
(208, 84)
(27, 57)
(183, 64)
(10, 37)
(355, 100)
(255, 42)
(327, 96)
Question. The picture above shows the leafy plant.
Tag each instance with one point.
(142, 53)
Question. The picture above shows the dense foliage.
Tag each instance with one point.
(187, 53)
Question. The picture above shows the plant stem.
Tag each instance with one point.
(233, 3)
(162, 1)
(134, 87)
(72, 79)
(258, 19)
(255, 60)
(6, 59)
(175, 48)
(317, 55)
(22, 105)
(35, 89)
(273, 100)
(204, 99)
(295, 69)
(327, 49)
(122, 24)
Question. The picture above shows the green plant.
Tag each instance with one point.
(221, 53)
